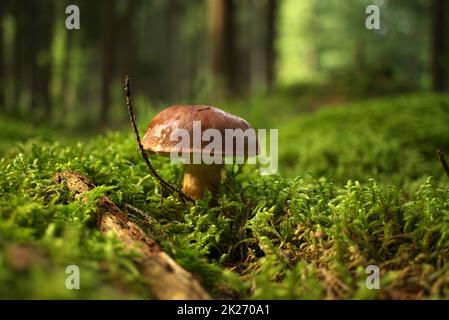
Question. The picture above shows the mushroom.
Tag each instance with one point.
(198, 176)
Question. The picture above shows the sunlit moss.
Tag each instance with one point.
(369, 201)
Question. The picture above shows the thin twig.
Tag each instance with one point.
(440, 154)
(132, 118)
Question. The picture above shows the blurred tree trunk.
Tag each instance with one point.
(221, 17)
(262, 46)
(19, 63)
(44, 62)
(439, 65)
(130, 47)
(270, 50)
(413, 63)
(257, 48)
(2, 59)
(37, 40)
(107, 61)
(177, 87)
(30, 48)
(172, 88)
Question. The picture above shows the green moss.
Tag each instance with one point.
(369, 200)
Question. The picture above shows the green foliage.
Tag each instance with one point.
(391, 139)
(369, 200)
(339, 48)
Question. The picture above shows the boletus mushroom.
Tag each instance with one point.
(159, 139)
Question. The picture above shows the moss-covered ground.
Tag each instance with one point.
(358, 185)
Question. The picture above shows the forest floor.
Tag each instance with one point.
(358, 185)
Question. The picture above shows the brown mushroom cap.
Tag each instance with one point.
(157, 137)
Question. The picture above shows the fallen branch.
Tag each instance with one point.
(166, 279)
(144, 155)
(440, 154)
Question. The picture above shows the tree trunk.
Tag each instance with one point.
(107, 61)
(270, 50)
(37, 50)
(45, 68)
(256, 48)
(17, 55)
(221, 17)
(439, 65)
(30, 47)
(130, 48)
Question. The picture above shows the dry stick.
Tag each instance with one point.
(132, 118)
(164, 277)
(440, 154)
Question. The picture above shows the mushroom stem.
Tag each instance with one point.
(198, 177)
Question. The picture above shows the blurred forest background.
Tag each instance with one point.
(202, 51)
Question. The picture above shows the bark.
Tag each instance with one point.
(439, 65)
(165, 278)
